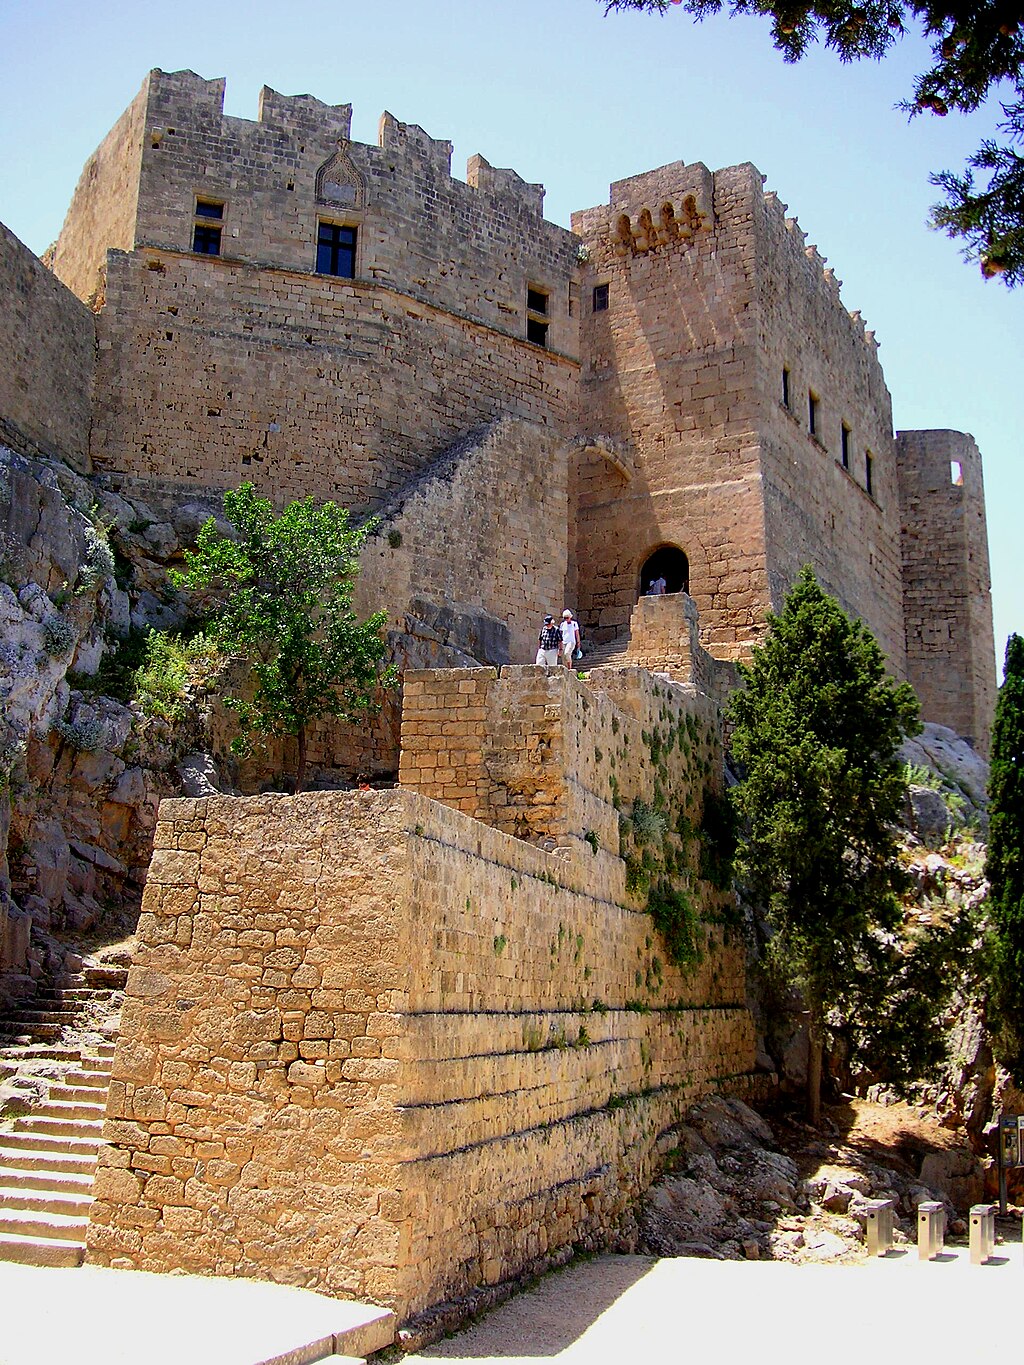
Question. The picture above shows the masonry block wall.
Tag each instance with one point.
(48, 344)
(946, 584)
(669, 374)
(710, 294)
(540, 755)
(102, 214)
(816, 510)
(472, 551)
(249, 364)
(372, 1046)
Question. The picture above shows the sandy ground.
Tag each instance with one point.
(634, 1309)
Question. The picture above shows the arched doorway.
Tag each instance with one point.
(667, 562)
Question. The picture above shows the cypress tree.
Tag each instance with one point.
(1005, 866)
(816, 732)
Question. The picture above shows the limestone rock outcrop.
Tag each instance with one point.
(82, 772)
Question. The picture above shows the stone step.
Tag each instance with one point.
(54, 1108)
(86, 1129)
(40, 1052)
(42, 1161)
(33, 1021)
(50, 1251)
(66, 1204)
(98, 1079)
(11, 1031)
(80, 1094)
(84, 995)
(25, 1223)
(39, 1175)
(73, 1144)
(113, 978)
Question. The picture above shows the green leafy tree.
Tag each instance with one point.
(280, 596)
(976, 49)
(816, 733)
(1004, 866)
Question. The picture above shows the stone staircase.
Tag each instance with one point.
(56, 1055)
(611, 654)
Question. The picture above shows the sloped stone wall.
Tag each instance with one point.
(373, 1046)
(48, 344)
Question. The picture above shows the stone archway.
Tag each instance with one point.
(671, 564)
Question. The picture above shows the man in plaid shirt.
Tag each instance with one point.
(548, 643)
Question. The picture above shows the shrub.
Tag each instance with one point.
(58, 637)
(171, 664)
(86, 735)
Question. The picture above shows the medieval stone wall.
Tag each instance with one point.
(472, 553)
(249, 364)
(212, 372)
(48, 344)
(102, 212)
(816, 511)
(946, 585)
(669, 375)
(372, 1046)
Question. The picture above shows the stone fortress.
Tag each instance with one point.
(407, 1043)
(674, 383)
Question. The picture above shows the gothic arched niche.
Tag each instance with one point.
(339, 183)
(667, 562)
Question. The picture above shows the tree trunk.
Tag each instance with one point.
(814, 1051)
(300, 771)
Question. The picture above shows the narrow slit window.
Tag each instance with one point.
(812, 413)
(336, 250)
(600, 298)
(536, 315)
(869, 473)
(844, 442)
(956, 473)
(785, 387)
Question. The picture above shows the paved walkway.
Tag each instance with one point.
(92, 1316)
(614, 1309)
(626, 1309)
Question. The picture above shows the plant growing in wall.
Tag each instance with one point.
(817, 729)
(1004, 866)
(280, 598)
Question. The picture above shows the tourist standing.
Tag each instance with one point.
(548, 642)
(570, 637)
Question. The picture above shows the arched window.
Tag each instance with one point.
(668, 562)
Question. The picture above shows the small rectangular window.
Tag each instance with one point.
(536, 300)
(600, 298)
(812, 413)
(336, 251)
(844, 435)
(206, 240)
(207, 208)
(869, 481)
(785, 387)
(537, 332)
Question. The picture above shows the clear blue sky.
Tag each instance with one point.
(575, 100)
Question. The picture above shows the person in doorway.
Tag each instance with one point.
(658, 587)
(548, 642)
(570, 637)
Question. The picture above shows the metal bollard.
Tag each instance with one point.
(931, 1229)
(983, 1232)
(880, 1220)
